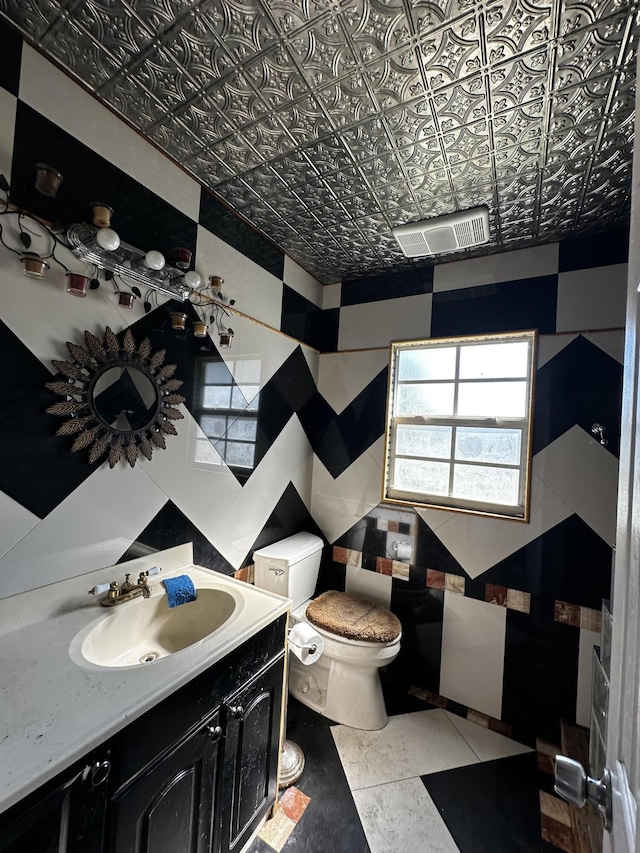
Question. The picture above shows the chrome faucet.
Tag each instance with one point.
(118, 594)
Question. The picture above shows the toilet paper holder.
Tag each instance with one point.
(402, 551)
(311, 647)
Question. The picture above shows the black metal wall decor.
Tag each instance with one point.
(119, 399)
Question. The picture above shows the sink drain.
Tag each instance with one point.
(148, 657)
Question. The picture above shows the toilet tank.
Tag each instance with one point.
(289, 567)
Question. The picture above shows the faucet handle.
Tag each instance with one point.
(99, 588)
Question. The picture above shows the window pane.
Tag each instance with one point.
(213, 426)
(474, 444)
(424, 441)
(425, 400)
(239, 453)
(217, 373)
(247, 370)
(489, 361)
(242, 395)
(492, 399)
(434, 363)
(254, 404)
(412, 475)
(244, 429)
(493, 485)
(206, 452)
(217, 396)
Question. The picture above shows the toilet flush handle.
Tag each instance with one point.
(278, 572)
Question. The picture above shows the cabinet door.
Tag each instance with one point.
(252, 739)
(168, 807)
(66, 816)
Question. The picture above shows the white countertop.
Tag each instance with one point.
(55, 707)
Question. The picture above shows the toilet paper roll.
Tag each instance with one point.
(305, 643)
(403, 551)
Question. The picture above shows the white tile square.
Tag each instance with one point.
(7, 128)
(492, 269)
(91, 528)
(584, 475)
(401, 817)
(257, 292)
(376, 324)
(588, 639)
(409, 745)
(342, 376)
(331, 296)
(15, 522)
(302, 281)
(479, 543)
(472, 659)
(338, 503)
(486, 744)
(368, 584)
(592, 299)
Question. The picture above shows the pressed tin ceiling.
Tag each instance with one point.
(326, 123)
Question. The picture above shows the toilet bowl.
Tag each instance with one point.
(359, 637)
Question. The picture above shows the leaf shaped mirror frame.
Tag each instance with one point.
(119, 399)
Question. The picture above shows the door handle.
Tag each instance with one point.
(214, 732)
(236, 711)
(573, 785)
(99, 772)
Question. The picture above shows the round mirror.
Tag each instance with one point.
(124, 397)
(119, 398)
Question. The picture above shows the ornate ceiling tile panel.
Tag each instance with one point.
(327, 122)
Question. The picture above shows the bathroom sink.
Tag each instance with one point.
(142, 631)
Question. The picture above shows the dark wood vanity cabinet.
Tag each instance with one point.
(249, 767)
(195, 774)
(65, 816)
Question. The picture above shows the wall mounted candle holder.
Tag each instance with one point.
(96, 244)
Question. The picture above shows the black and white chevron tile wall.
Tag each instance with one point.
(498, 616)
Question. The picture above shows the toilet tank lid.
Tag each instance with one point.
(293, 549)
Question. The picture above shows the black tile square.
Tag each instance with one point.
(540, 674)
(308, 323)
(171, 527)
(221, 221)
(387, 286)
(11, 53)
(528, 303)
(492, 806)
(581, 385)
(330, 821)
(594, 250)
(141, 218)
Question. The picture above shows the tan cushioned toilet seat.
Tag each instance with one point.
(353, 617)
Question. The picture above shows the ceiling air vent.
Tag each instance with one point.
(444, 233)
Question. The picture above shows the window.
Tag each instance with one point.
(228, 400)
(459, 423)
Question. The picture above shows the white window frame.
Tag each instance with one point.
(519, 512)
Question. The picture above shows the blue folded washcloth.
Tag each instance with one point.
(180, 590)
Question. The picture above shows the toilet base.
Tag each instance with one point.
(348, 695)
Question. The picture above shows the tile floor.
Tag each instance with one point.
(429, 781)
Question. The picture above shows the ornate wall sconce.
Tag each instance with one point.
(96, 244)
(108, 252)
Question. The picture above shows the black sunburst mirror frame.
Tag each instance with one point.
(77, 386)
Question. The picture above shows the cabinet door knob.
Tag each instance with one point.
(236, 711)
(215, 732)
(99, 772)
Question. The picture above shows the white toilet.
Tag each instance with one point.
(359, 636)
